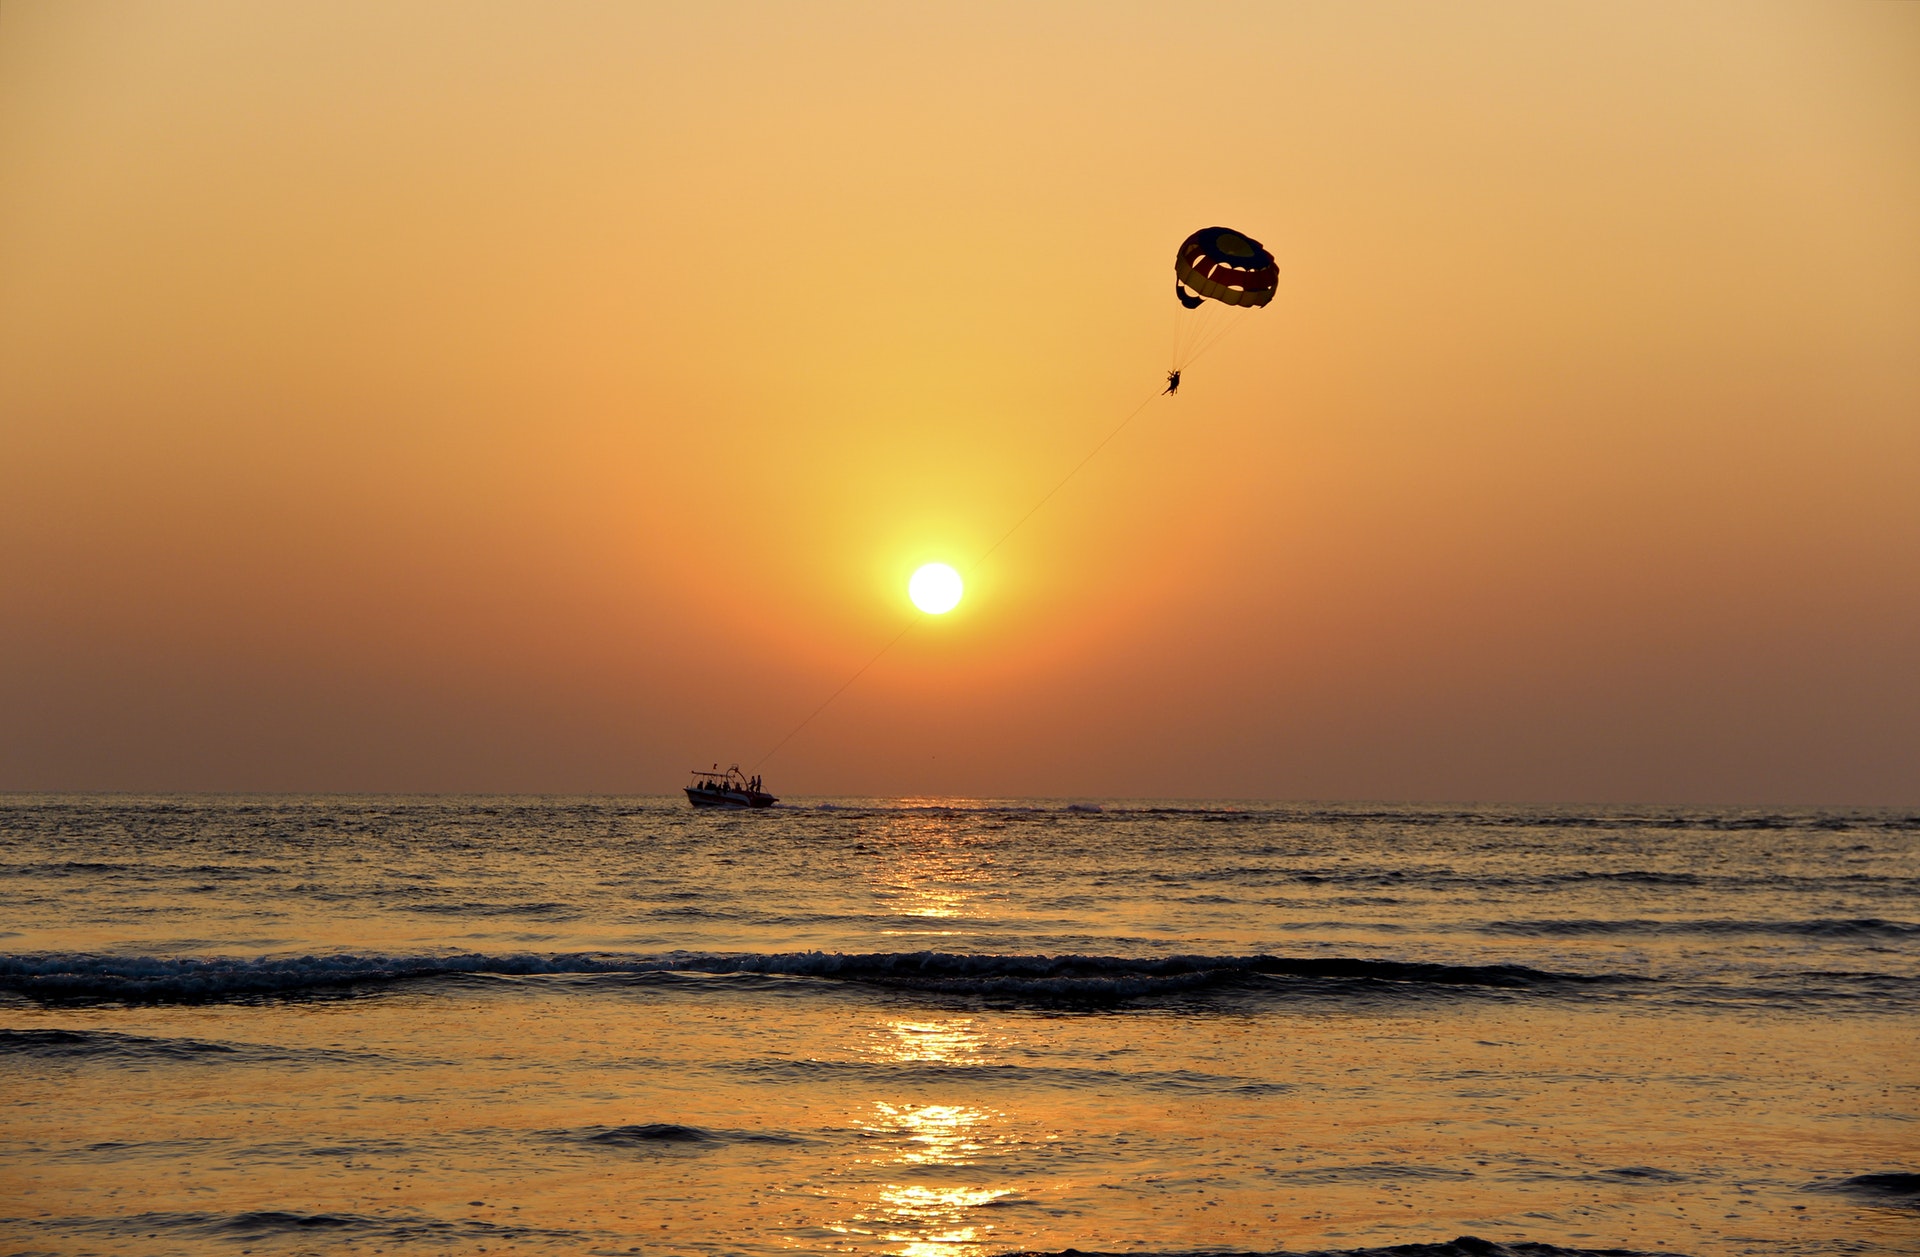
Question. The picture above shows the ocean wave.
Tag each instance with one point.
(271, 1224)
(1464, 1246)
(545, 909)
(1900, 1188)
(646, 1135)
(815, 1071)
(1856, 927)
(1261, 812)
(1047, 979)
(84, 1044)
(1636, 1174)
(1376, 1172)
(1413, 879)
(106, 1045)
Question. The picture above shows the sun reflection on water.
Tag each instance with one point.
(916, 1205)
(936, 1218)
(952, 1041)
(928, 1168)
(932, 871)
(928, 1218)
(935, 1134)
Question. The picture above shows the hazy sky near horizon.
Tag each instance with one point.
(468, 396)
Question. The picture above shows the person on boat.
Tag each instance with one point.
(1173, 382)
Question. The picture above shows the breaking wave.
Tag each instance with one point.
(1044, 979)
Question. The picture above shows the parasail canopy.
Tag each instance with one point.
(1220, 263)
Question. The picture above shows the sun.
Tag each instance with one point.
(935, 589)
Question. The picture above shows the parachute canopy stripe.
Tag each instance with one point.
(1221, 293)
(1240, 277)
(1226, 270)
(1229, 276)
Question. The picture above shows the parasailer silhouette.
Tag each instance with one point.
(1173, 382)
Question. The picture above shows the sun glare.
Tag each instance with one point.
(935, 589)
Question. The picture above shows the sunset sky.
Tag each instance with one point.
(465, 396)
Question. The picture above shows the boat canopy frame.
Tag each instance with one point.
(716, 779)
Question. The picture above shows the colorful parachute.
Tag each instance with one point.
(1224, 269)
(1220, 263)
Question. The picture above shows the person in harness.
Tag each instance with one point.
(1173, 382)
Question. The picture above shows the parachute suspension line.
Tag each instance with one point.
(1048, 497)
(1225, 330)
(908, 627)
(828, 701)
(1185, 324)
(1196, 329)
(1190, 326)
(1211, 327)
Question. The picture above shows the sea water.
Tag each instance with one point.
(944, 1027)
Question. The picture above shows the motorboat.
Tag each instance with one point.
(712, 788)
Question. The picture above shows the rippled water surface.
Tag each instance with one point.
(964, 1028)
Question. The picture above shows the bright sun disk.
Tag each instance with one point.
(935, 589)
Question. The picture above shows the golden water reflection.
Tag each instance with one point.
(936, 1134)
(936, 1215)
(949, 1041)
(927, 1179)
(932, 869)
(914, 1216)
(928, 1218)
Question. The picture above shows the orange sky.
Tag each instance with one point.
(509, 397)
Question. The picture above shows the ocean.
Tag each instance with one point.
(954, 1028)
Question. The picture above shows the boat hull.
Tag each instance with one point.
(729, 798)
